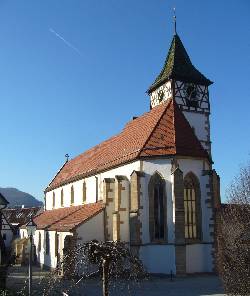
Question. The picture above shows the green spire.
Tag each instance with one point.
(179, 66)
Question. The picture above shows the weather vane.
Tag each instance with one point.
(67, 157)
(174, 21)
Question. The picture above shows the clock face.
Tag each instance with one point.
(191, 91)
(160, 96)
(191, 95)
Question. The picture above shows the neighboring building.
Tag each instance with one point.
(7, 232)
(152, 185)
(19, 216)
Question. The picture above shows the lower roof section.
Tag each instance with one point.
(69, 218)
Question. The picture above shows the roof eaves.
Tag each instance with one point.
(56, 175)
(93, 171)
(47, 226)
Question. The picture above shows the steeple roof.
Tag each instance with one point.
(179, 66)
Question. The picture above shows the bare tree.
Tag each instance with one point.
(233, 236)
(112, 262)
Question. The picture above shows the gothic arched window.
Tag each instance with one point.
(72, 196)
(192, 207)
(157, 208)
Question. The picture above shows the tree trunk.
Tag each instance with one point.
(105, 274)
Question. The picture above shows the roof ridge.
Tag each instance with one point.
(163, 112)
(57, 174)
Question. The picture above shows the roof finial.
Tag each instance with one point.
(174, 22)
(67, 157)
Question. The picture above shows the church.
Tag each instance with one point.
(152, 185)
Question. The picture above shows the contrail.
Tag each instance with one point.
(65, 41)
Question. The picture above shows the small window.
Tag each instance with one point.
(47, 242)
(96, 188)
(56, 244)
(39, 242)
(84, 192)
(53, 200)
(4, 236)
(72, 198)
(62, 197)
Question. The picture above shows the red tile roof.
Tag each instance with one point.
(162, 131)
(66, 219)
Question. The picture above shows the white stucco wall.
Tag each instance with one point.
(199, 258)
(50, 259)
(162, 166)
(92, 229)
(197, 167)
(166, 88)
(197, 120)
(91, 197)
(158, 258)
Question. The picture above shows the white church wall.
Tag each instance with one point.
(158, 258)
(166, 89)
(162, 166)
(197, 120)
(50, 259)
(92, 229)
(197, 167)
(199, 258)
(91, 197)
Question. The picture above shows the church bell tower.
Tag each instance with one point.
(180, 80)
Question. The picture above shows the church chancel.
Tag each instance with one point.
(152, 185)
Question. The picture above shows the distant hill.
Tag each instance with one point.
(16, 198)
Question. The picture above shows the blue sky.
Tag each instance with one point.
(64, 96)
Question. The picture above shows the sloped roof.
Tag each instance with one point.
(162, 131)
(179, 66)
(20, 216)
(66, 219)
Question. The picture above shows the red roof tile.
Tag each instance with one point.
(162, 131)
(66, 219)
